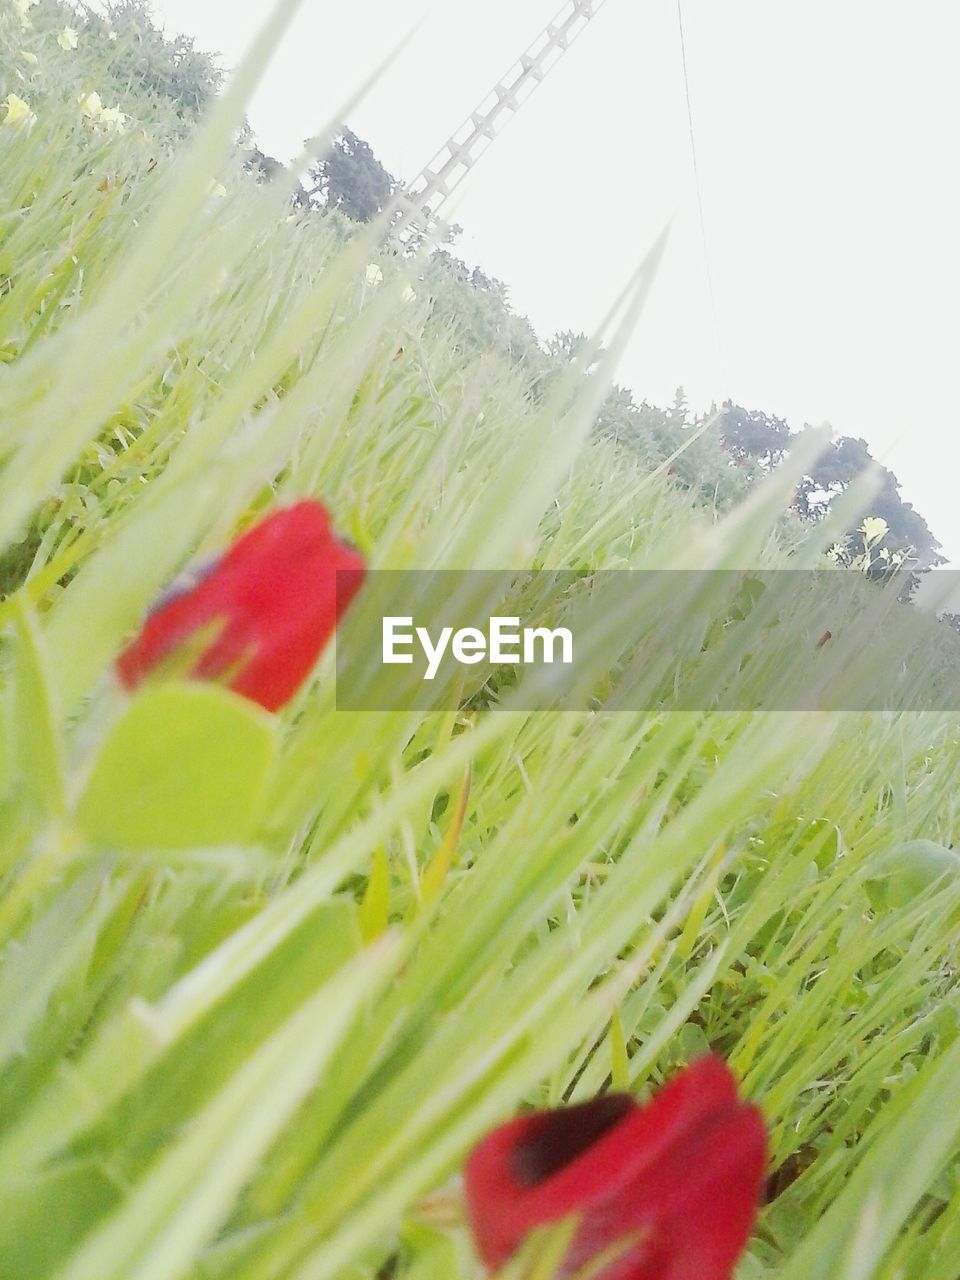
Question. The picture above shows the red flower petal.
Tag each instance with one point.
(262, 613)
(683, 1175)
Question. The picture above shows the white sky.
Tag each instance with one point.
(826, 133)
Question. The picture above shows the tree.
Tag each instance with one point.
(750, 434)
(263, 167)
(349, 177)
(169, 67)
(907, 534)
(835, 469)
(485, 320)
(566, 346)
(701, 465)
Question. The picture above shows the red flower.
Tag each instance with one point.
(259, 616)
(676, 1183)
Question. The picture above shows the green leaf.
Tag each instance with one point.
(908, 870)
(6, 763)
(67, 1198)
(186, 766)
(164, 1221)
(36, 759)
(375, 908)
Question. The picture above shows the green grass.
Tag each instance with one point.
(254, 1057)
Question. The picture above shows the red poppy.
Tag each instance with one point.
(258, 617)
(675, 1184)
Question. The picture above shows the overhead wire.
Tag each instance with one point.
(711, 290)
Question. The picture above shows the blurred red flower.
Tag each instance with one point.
(675, 1184)
(258, 617)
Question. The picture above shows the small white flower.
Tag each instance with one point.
(113, 119)
(836, 552)
(67, 39)
(408, 294)
(218, 190)
(21, 8)
(884, 553)
(18, 111)
(374, 274)
(91, 104)
(111, 34)
(873, 528)
(29, 58)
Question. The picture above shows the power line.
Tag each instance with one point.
(696, 179)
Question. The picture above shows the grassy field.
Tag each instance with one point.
(257, 1043)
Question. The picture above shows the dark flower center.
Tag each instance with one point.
(557, 1138)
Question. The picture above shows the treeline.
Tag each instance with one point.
(718, 455)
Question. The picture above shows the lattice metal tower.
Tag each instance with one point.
(428, 192)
